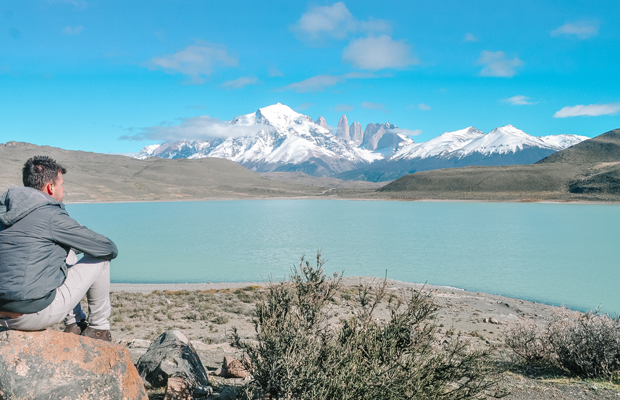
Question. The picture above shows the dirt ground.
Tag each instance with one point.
(207, 313)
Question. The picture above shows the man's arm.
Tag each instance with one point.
(67, 231)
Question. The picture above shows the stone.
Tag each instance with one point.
(228, 393)
(172, 355)
(178, 388)
(55, 365)
(233, 368)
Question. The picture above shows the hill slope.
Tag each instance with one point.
(93, 177)
(589, 171)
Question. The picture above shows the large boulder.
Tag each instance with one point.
(172, 361)
(56, 365)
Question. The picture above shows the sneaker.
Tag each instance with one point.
(100, 334)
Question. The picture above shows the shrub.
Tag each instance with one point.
(584, 344)
(530, 342)
(221, 320)
(587, 345)
(298, 355)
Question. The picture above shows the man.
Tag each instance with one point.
(37, 289)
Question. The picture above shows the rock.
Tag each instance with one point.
(172, 355)
(228, 393)
(494, 321)
(55, 365)
(233, 368)
(178, 388)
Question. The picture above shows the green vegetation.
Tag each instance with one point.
(299, 355)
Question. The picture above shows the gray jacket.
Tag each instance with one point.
(36, 234)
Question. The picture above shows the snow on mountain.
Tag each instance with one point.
(562, 142)
(465, 142)
(285, 140)
(441, 145)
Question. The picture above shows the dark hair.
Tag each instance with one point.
(40, 170)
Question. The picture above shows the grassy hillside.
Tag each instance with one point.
(588, 171)
(93, 177)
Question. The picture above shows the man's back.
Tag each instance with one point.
(36, 237)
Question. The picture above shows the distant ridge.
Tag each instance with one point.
(602, 148)
(589, 170)
(94, 177)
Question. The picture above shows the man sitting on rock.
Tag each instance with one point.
(37, 289)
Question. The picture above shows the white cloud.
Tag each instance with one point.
(304, 106)
(240, 83)
(424, 107)
(407, 132)
(375, 53)
(496, 64)
(335, 22)
(274, 71)
(70, 30)
(592, 110)
(320, 82)
(580, 30)
(343, 107)
(195, 61)
(519, 100)
(371, 105)
(469, 37)
(195, 128)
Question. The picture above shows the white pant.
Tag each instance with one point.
(90, 277)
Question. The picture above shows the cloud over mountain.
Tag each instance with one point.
(592, 110)
(381, 52)
(497, 64)
(334, 22)
(195, 128)
(195, 61)
(581, 30)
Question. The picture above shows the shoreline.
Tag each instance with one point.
(147, 288)
(522, 201)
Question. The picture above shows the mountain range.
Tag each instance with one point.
(287, 141)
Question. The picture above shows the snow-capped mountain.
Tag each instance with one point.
(284, 140)
(506, 145)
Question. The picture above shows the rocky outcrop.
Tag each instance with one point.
(343, 128)
(170, 356)
(356, 133)
(56, 365)
(321, 121)
(374, 133)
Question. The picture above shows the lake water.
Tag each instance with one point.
(552, 253)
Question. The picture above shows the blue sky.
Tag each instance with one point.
(88, 75)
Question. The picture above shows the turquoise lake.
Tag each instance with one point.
(552, 253)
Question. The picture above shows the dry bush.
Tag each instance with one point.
(530, 342)
(298, 355)
(584, 344)
(587, 345)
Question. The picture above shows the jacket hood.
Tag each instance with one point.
(20, 201)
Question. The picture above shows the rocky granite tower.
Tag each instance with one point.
(321, 121)
(343, 128)
(356, 133)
